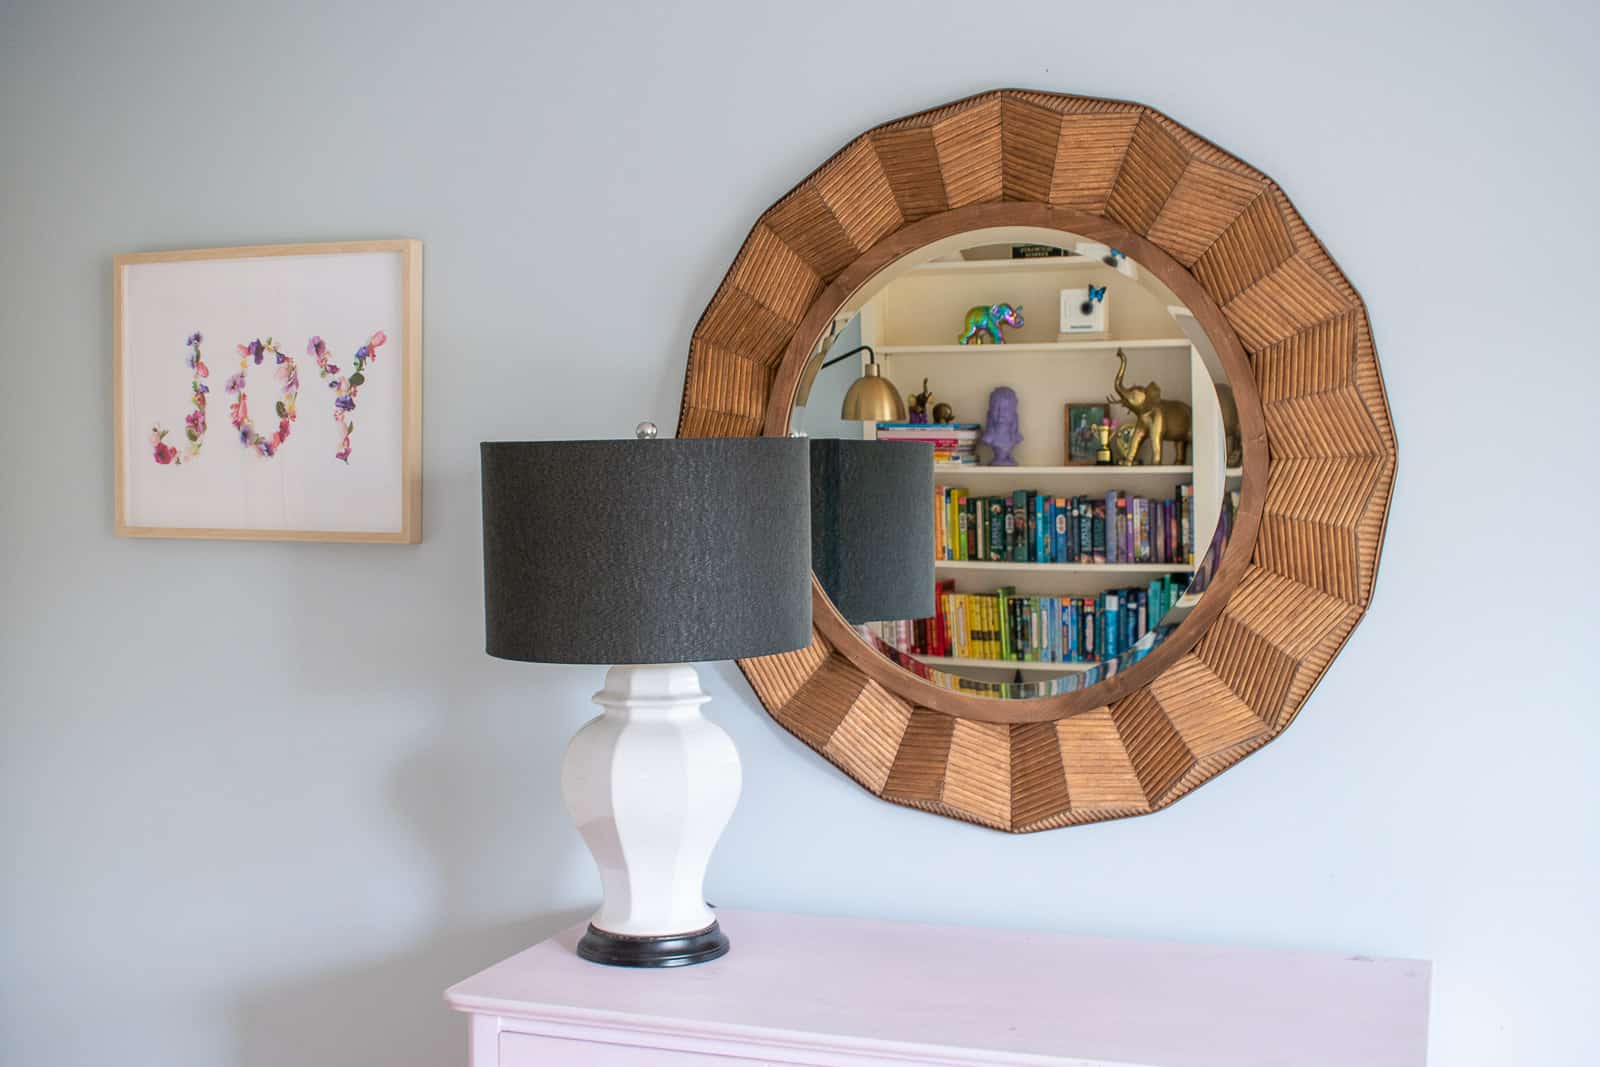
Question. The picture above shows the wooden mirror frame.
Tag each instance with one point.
(1294, 338)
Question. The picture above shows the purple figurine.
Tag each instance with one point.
(1000, 427)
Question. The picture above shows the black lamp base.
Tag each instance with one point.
(668, 950)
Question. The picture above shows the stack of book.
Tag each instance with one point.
(1035, 629)
(1035, 527)
(953, 442)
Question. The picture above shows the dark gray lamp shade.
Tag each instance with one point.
(872, 527)
(645, 551)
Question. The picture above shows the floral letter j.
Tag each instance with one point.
(287, 372)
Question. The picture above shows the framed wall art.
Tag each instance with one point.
(271, 392)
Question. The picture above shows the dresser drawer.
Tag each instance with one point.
(528, 1050)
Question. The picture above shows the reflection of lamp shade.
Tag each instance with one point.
(873, 398)
(668, 551)
(872, 527)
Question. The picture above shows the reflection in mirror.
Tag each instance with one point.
(1087, 453)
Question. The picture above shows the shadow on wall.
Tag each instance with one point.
(390, 1009)
(479, 798)
(475, 803)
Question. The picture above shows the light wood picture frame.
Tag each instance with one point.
(239, 377)
(1318, 440)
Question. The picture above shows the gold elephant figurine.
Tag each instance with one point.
(920, 405)
(1155, 419)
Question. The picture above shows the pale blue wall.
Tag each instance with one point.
(820, 416)
(260, 803)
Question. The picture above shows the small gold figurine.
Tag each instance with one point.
(1158, 420)
(1123, 438)
(1102, 430)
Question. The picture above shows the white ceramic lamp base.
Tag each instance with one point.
(651, 783)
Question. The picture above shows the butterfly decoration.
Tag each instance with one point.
(1113, 258)
(1097, 293)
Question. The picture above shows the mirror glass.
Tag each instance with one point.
(1087, 454)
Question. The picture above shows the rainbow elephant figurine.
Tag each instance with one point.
(987, 319)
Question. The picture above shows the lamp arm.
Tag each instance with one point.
(872, 357)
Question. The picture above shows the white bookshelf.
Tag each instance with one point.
(1177, 346)
(1034, 265)
(1003, 567)
(913, 323)
(1085, 470)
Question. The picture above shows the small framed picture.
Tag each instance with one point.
(1083, 440)
(270, 393)
(1083, 311)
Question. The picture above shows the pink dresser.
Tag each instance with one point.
(800, 989)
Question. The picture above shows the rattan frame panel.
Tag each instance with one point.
(1320, 452)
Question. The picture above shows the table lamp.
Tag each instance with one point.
(648, 555)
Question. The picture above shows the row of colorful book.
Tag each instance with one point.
(1034, 527)
(1004, 625)
(953, 442)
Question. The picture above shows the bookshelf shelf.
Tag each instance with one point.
(1005, 664)
(1086, 470)
(1022, 348)
(994, 567)
(1033, 265)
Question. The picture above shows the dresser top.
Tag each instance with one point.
(996, 996)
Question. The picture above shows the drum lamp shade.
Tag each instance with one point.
(646, 551)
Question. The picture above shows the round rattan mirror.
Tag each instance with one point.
(1305, 466)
